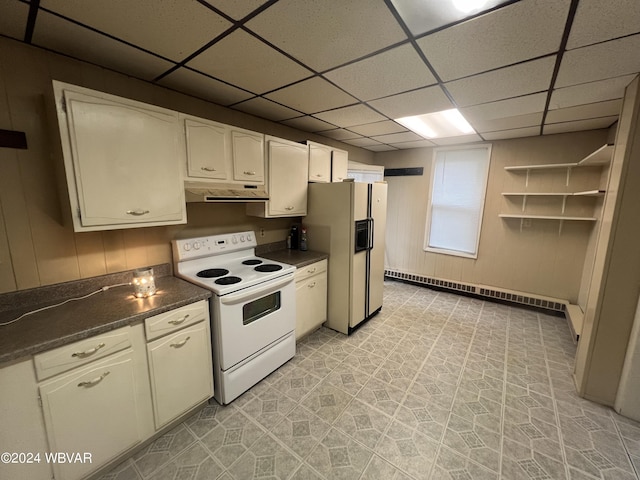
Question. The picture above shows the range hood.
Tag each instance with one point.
(224, 192)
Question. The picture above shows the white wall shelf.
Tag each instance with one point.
(522, 217)
(601, 156)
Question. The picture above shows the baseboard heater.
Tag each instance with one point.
(478, 290)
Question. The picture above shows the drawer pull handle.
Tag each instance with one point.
(137, 213)
(249, 172)
(180, 344)
(288, 208)
(311, 270)
(208, 169)
(319, 175)
(311, 285)
(88, 353)
(95, 381)
(178, 322)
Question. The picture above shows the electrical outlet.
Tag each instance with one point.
(262, 232)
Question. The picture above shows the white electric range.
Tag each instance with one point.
(252, 310)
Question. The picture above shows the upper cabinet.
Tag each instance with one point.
(326, 164)
(288, 173)
(122, 160)
(319, 162)
(339, 165)
(222, 153)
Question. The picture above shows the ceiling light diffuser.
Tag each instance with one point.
(448, 123)
(468, 6)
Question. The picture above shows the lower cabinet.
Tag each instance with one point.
(181, 372)
(93, 411)
(84, 405)
(311, 297)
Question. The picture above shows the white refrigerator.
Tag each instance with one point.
(347, 220)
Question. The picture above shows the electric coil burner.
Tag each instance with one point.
(252, 308)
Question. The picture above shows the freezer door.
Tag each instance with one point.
(376, 254)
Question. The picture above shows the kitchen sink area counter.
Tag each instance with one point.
(76, 320)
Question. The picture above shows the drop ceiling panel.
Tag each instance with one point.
(378, 128)
(456, 140)
(79, 42)
(236, 10)
(416, 144)
(309, 124)
(609, 89)
(340, 134)
(517, 121)
(421, 17)
(597, 21)
(506, 108)
(349, 116)
(199, 85)
(311, 96)
(362, 142)
(592, 124)
(326, 34)
(398, 137)
(513, 34)
(266, 109)
(598, 62)
(166, 27)
(522, 79)
(425, 100)
(394, 71)
(381, 148)
(13, 20)
(244, 61)
(513, 133)
(584, 112)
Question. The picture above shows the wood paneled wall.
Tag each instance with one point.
(536, 260)
(37, 243)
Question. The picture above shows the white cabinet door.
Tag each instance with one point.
(339, 165)
(311, 303)
(208, 151)
(319, 162)
(93, 409)
(123, 160)
(288, 178)
(248, 156)
(181, 371)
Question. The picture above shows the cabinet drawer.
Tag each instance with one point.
(80, 353)
(173, 320)
(309, 270)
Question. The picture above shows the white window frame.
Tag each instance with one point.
(426, 247)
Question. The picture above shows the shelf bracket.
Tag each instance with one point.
(564, 203)
(524, 202)
(526, 182)
(568, 175)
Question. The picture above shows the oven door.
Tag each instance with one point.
(249, 320)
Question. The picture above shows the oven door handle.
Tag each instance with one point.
(243, 296)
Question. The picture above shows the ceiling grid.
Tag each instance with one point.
(346, 70)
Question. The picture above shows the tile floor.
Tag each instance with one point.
(437, 386)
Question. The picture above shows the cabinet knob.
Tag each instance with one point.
(208, 169)
(137, 213)
(311, 285)
(311, 270)
(318, 175)
(249, 172)
(88, 353)
(95, 381)
(288, 208)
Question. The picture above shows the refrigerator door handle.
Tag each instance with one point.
(370, 233)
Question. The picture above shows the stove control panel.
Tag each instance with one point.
(190, 248)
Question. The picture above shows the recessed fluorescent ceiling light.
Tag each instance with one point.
(468, 6)
(448, 123)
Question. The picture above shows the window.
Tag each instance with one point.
(456, 200)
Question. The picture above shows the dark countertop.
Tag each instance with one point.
(298, 258)
(80, 319)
